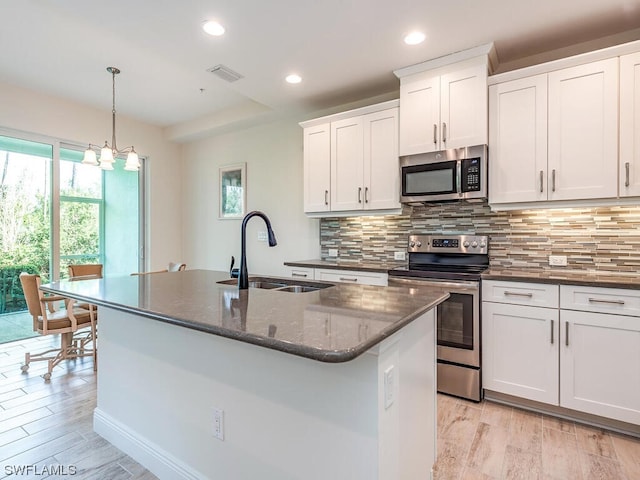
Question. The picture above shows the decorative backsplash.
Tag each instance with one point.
(602, 239)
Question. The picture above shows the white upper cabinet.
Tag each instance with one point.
(583, 131)
(381, 168)
(351, 161)
(567, 132)
(630, 125)
(317, 168)
(347, 164)
(440, 111)
(518, 140)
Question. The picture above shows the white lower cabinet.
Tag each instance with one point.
(520, 339)
(583, 353)
(600, 358)
(301, 273)
(350, 276)
(520, 351)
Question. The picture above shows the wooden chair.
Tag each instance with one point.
(85, 270)
(173, 267)
(47, 320)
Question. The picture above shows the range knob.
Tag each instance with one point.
(418, 244)
(465, 244)
(483, 244)
(474, 244)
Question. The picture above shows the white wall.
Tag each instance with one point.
(35, 113)
(273, 154)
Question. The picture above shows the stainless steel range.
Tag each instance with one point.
(452, 263)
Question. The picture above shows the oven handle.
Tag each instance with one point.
(460, 286)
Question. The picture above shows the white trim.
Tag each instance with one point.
(351, 113)
(353, 213)
(562, 63)
(160, 462)
(590, 203)
(487, 51)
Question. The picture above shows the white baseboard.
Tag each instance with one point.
(161, 463)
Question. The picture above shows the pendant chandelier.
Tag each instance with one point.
(108, 153)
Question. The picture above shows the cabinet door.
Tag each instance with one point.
(583, 133)
(347, 163)
(630, 125)
(463, 108)
(518, 140)
(317, 168)
(381, 165)
(355, 277)
(600, 364)
(419, 114)
(520, 351)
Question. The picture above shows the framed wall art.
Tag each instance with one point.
(233, 191)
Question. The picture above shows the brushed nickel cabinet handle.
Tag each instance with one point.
(610, 302)
(326, 197)
(366, 194)
(566, 334)
(435, 134)
(507, 293)
(552, 332)
(294, 274)
(626, 169)
(444, 132)
(541, 181)
(553, 180)
(348, 279)
(359, 194)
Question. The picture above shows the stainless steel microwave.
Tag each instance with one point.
(454, 174)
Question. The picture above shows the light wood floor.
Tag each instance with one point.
(489, 441)
(49, 425)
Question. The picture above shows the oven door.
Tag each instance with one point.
(458, 319)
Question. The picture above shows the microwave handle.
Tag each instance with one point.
(459, 177)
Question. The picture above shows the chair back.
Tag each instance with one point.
(31, 287)
(88, 270)
(176, 267)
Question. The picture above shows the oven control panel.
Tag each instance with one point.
(470, 244)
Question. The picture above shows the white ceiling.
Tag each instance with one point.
(345, 50)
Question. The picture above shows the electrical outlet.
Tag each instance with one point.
(389, 386)
(558, 260)
(218, 423)
(333, 252)
(262, 235)
(399, 255)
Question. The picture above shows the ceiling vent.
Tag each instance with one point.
(225, 73)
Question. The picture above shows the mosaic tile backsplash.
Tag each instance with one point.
(593, 239)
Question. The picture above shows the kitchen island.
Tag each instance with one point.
(198, 379)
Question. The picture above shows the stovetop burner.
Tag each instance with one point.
(462, 257)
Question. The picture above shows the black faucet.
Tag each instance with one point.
(243, 277)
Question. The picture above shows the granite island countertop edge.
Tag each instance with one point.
(314, 353)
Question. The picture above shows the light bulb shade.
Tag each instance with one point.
(106, 165)
(89, 157)
(133, 162)
(106, 156)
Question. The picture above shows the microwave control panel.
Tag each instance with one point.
(470, 177)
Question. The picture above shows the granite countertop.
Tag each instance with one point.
(294, 323)
(563, 276)
(363, 266)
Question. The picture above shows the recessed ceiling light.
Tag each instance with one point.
(293, 78)
(414, 38)
(213, 28)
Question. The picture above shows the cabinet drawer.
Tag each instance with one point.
(520, 293)
(349, 276)
(301, 273)
(604, 300)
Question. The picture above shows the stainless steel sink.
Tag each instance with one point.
(280, 284)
